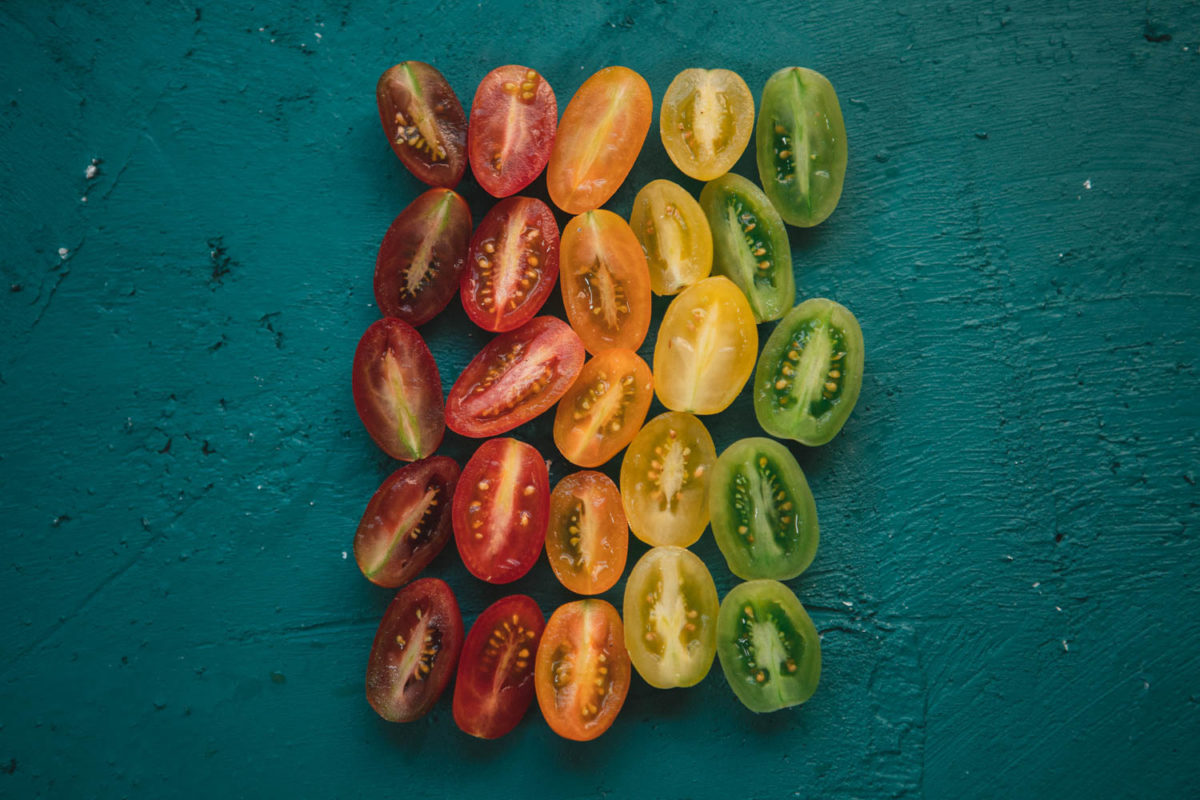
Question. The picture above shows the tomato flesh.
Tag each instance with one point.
(397, 390)
(768, 647)
(501, 507)
(494, 686)
(674, 234)
(605, 282)
(512, 266)
(407, 521)
(424, 122)
(516, 376)
(587, 540)
(801, 145)
(422, 255)
(810, 373)
(670, 618)
(582, 674)
(604, 409)
(763, 514)
(706, 347)
(415, 651)
(513, 120)
(706, 121)
(750, 244)
(664, 480)
(599, 138)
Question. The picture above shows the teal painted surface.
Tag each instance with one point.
(1006, 584)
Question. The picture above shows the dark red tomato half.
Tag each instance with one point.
(415, 651)
(494, 687)
(407, 521)
(517, 376)
(424, 122)
(513, 120)
(397, 390)
(419, 263)
(501, 508)
(512, 266)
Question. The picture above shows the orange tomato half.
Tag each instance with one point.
(604, 409)
(587, 540)
(598, 139)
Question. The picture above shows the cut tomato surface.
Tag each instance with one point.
(513, 120)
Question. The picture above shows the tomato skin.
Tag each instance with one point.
(516, 376)
(587, 540)
(494, 686)
(801, 145)
(763, 514)
(604, 409)
(706, 120)
(605, 282)
(599, 138)
(421, 257)
(750, 244)
(583, 671)
(424, 122)
(501, 507)
(513, 120)
(674, 234)
(415, 650)
(407, 522)
(810, 373)
(512, 266)
(768, 647)
(397, 390)
(706, 347)
(664, 480)
(670, 618)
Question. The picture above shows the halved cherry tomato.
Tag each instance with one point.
(407, 521)
(513, 119)
(706, 347)
(674, 234)
(494, 686)
(801, 144)
(599, 138)
(501, 507)
(583, 673)
(604, 409)
(587, 539)
(750, 244)
(424, 122)
(670, 616)
(768, 647)
(706, 121)
(664, 480)
(513, 264)
(397, 390)
(516, 376)
(415, 651)
(605, 282)
(422, 255)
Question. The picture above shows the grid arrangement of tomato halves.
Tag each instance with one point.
(726, 260)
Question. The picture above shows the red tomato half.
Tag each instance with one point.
(407, 521)
(517, 376)
(501, 508)
(397, 390)
(583, 669)
(424, 122)
(513, 120)
(415, 650)
(422, 255)
(512, 266)
(494, 686)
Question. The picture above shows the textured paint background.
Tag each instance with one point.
(1006, 583)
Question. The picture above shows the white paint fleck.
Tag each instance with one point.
(1087, 184)
(1037, 584)
(1145, 683)
(260, 487)
(343, 555)
(318, 35)
(83, 199)
(847, 604)
(63, 252)
(1066, 649)
(1058, 608)
(91, 170)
